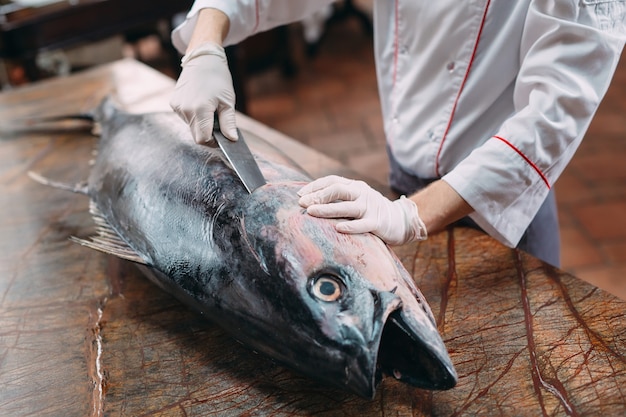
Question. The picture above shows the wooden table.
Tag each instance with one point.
(83, 333)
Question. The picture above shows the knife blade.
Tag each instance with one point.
(240, 157)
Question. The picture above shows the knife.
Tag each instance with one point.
(240, 157)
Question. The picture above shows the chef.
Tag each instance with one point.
(484, 103)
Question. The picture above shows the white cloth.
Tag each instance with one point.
(492, 95)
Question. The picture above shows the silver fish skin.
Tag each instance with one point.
(338, 308)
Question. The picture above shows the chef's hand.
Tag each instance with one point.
(205, 86)
(396, 222)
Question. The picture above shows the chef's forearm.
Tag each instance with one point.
(212, 26)
(439, 205)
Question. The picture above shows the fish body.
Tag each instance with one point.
(339, 308)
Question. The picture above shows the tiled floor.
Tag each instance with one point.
(332, 105)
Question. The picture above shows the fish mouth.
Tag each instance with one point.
(410, 350)
(416, 358)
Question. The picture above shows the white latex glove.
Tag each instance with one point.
(396, 222)
(205, 86)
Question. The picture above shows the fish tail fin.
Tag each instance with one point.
(80, 188)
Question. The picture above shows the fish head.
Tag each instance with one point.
(341, 307)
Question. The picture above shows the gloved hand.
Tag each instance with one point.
(396, 222)
(205, 85)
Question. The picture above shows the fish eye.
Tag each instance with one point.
(327, 287)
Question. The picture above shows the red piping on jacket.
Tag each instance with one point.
(395, 44)
(528, 161)
(256, 23)
(456, 101)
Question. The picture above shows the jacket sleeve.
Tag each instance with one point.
(247, 17)
(568, 54)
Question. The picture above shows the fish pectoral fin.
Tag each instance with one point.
(107, 240)
(111, 247)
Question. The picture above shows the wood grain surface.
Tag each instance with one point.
(83, 333)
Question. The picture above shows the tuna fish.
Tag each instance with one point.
(338, 308)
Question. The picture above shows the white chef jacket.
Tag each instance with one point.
(493, 96)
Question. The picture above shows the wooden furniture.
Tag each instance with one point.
(83, 333)
(25, 31)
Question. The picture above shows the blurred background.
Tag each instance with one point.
(315, 82)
